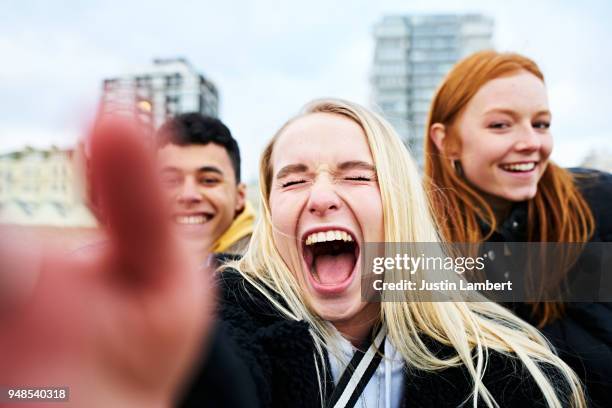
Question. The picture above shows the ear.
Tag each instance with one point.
(437, 133)
(241, 189)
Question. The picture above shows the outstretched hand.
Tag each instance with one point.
(120, 323)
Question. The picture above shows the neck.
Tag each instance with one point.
(198, 251)
(500, 206)
(359, 327)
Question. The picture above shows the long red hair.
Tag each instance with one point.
(557, 213)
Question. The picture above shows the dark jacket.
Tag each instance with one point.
(583, 337)
(275, 359)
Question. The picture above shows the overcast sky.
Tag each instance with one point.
(268, 58)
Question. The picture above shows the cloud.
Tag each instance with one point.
(269, 57)
(36, 136)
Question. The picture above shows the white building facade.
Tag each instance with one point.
(42, 188)
(412, 55)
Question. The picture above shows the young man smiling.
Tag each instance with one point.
(200, 171)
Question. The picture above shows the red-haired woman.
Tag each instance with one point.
(487, 151)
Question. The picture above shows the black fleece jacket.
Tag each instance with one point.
(271, 364)
(583, 336)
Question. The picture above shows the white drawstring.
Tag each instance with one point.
(387, 382)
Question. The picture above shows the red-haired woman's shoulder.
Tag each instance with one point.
(505, 377)
(596, 188)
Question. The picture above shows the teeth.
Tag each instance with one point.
(191, 219)
(334, 235)
(519, 167)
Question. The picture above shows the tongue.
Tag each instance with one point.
(334, 269)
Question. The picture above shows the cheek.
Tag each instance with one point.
(170, 197)
(366, 204)
(284, 213)
(171, 192)
(227, 196)
(480, 152)
(478, 160)
(480, 170)
(285, 209)
(219, 196)
(547, 147)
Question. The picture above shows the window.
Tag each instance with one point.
(392, 43)
(110, 84)
(172, 105)
(420, 106)
(174, 80)
(390, 81)
(389, 54)
(387, 106)
(391, 68)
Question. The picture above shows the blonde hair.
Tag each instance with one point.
(467, 327)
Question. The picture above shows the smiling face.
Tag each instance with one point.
(505, 138)
(200, 184)
(325, 203)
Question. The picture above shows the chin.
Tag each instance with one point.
(522, 194)
(340, 309)
(335, 311)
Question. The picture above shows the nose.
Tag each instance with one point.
(323, 199)
(189, 193)
(529, 140)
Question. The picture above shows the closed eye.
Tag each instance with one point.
(499, 125)
(292, 183)
(541, 125)
(358, 178)
(208, 181)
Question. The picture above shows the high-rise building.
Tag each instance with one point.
(163, 89)
(412, 55)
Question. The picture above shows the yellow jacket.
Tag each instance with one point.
(241, 228)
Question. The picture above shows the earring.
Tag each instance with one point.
(456, 165)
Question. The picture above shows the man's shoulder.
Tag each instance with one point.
(222, 258)
(596, 188)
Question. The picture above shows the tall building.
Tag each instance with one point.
(163, 89)
(412, 55)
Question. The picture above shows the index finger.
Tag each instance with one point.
(123, 176)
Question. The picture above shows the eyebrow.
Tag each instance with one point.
(209, 169)
(204, 169)
(513, 113)
(291, 168)
(356, 164)
(347, 165)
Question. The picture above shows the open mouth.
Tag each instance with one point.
(331, 257)
(523, 167)
(192, 219)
